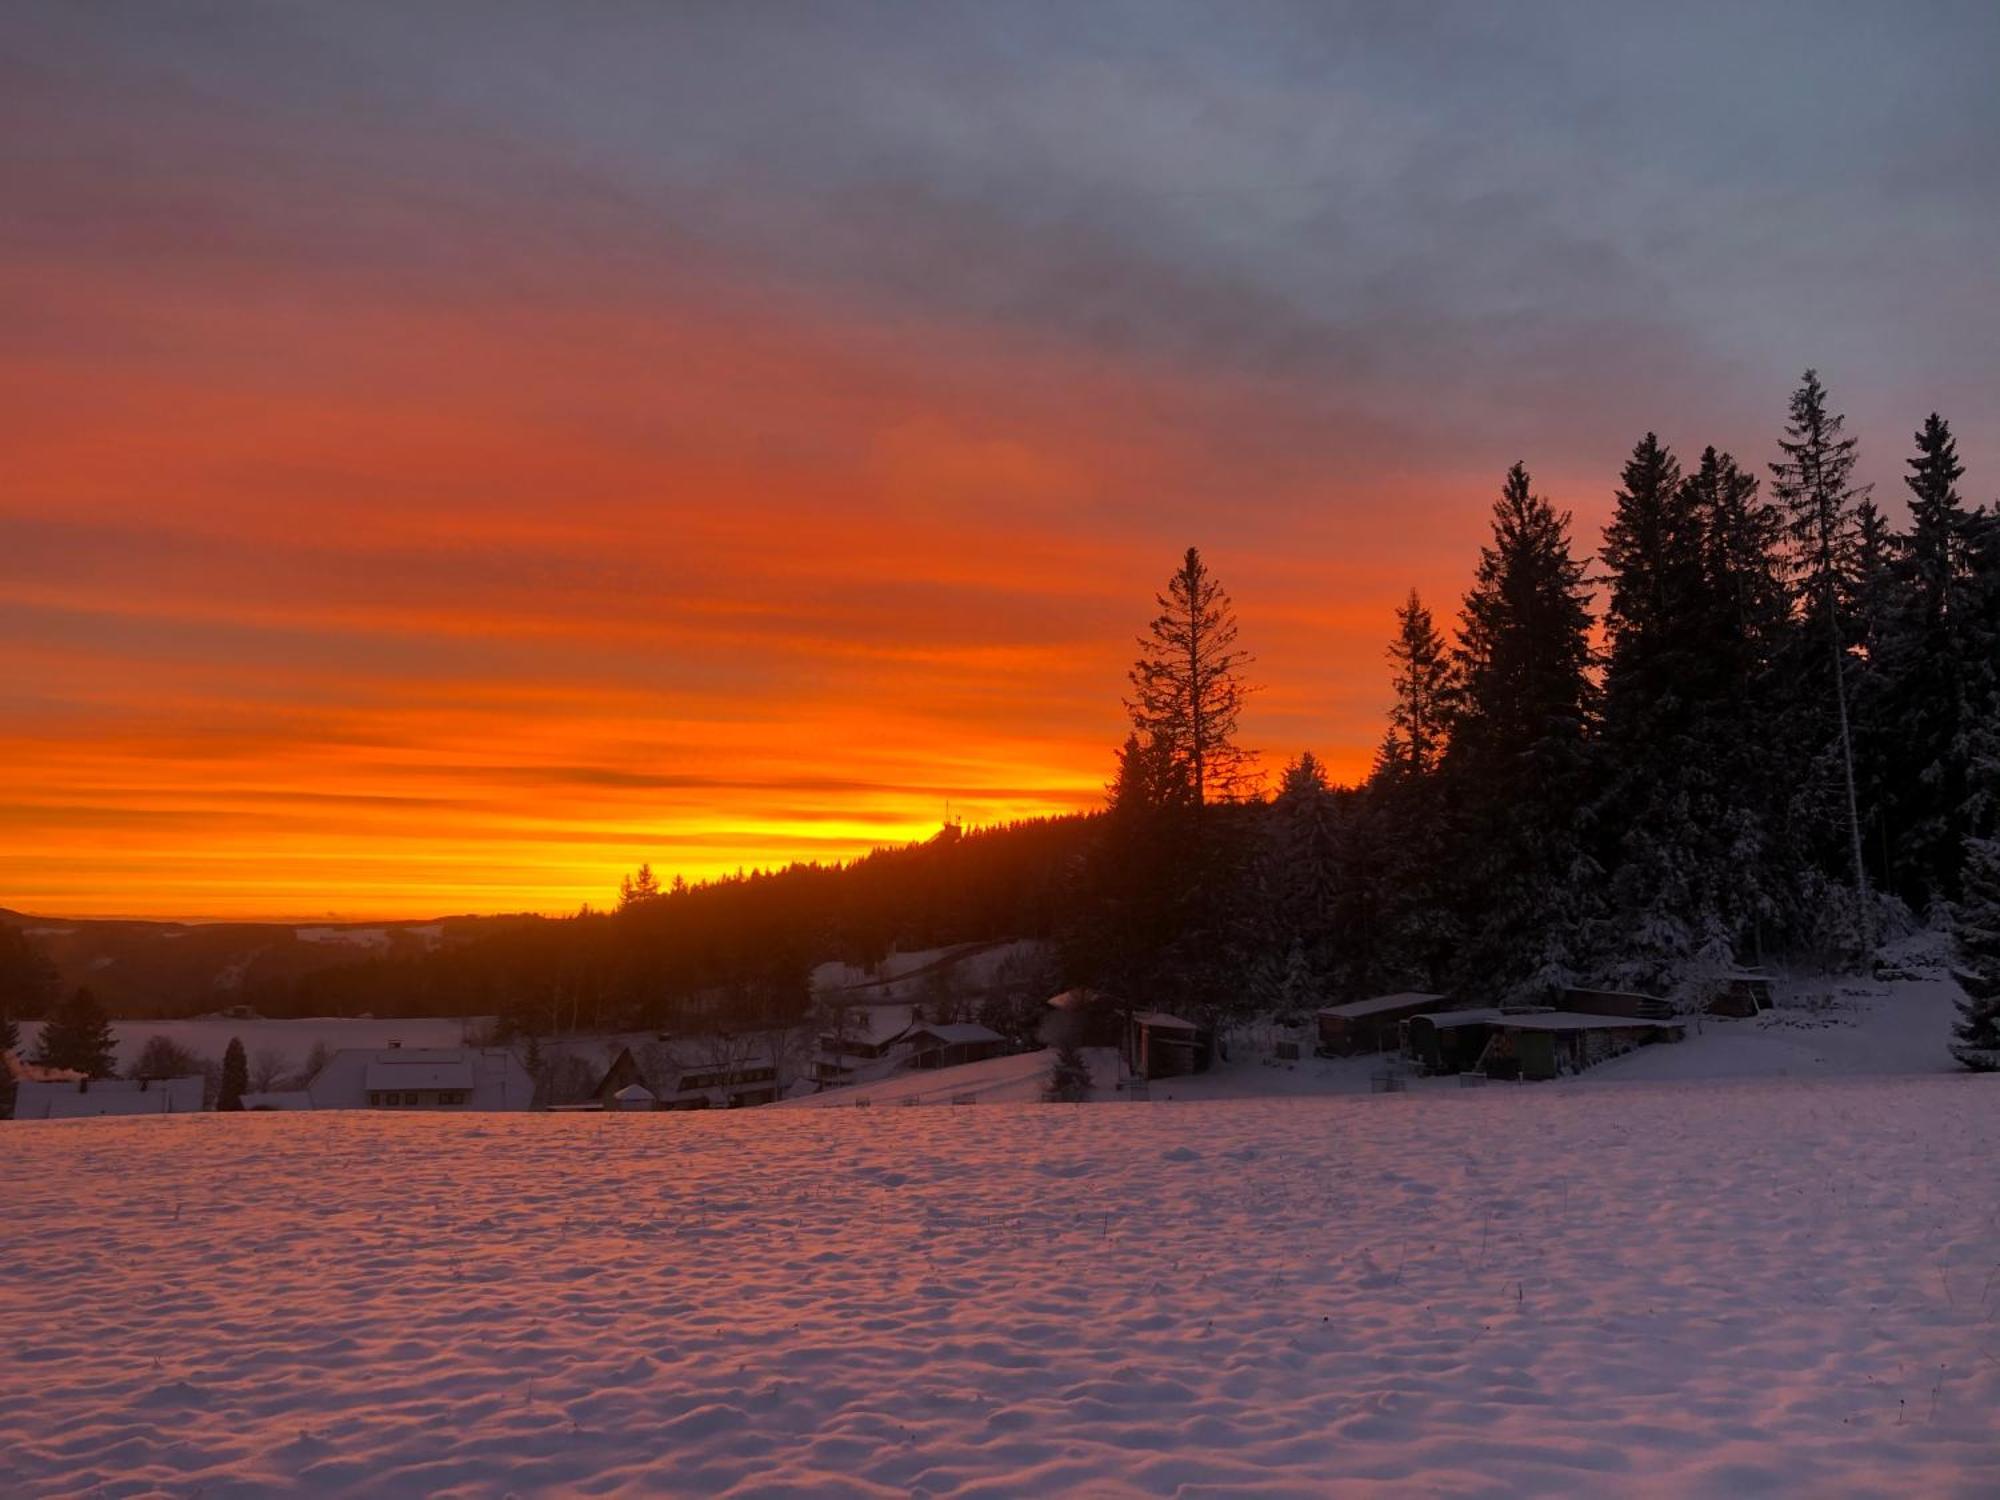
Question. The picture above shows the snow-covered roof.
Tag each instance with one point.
(1375, 1005)
(491, 1077)
(634, 1093)
(279, 1099)
(957, 1032)
(873, 1024)
(1538, 1020)
(1160, 1020)
(1445, 1019)
(391, 1071)
(37, 1100)
(1569, 1020)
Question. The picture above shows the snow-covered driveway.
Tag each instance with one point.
(1720, 1289)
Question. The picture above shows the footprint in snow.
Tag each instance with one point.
(1180, 1153)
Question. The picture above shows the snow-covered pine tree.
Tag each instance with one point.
(1301, 878)
(235, 1076)
(1929, 679)
(10, 1040)
(79, 1036)
(1519, 754)
(1747, 628)
(1138, 881)
(1422, 681)
(1069, 1075)
(1813, 483)
(1396, 838)
(1656, 695)
(1188, 686)
(1975, 1040)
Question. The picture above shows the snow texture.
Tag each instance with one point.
(1697, 1289)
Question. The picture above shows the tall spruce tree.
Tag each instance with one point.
(1301, 880)
(1401, 931)
(1138, 881)
(10, 1041)
(1747, 627)
(78, 1036)
(1655, 817)
(28, 984)
(1929, 677)
(1813, 483)
(235, 1076)
(1422, 681)
(1975, 1040)
(1188, 686)
(1518, 755)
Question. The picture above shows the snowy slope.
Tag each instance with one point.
(1017, 1079)
(1716, 1289)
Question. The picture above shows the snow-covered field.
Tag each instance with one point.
(1727, 1288)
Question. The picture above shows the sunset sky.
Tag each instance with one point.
(454, 453)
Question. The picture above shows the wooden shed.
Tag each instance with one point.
(1742, 993)
(1372, 1025)
(1528, 1044)
(1157, 1045)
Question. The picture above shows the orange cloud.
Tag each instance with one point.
(400, 604)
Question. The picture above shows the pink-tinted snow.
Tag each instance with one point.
(1717, 1289)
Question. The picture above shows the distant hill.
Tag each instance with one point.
(140, 968)
(737, 950)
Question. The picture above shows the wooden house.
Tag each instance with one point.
(398, 1077)
(1372, 1025)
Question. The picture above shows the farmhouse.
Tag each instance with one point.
(398, 1077)
(82, 1099)
(1372, 1025)
(1527, 1044)
(939, 1045)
